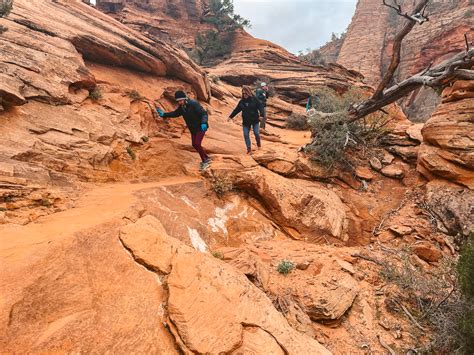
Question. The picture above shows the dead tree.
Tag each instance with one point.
(459, 67)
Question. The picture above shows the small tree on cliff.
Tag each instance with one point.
(5, 9)
(217, 42)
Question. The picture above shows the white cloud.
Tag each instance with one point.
(296, 24)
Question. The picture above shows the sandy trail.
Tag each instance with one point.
(23, 244)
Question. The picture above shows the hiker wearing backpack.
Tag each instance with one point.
(251, 109)
(313, 102)
(262, 95)
(196, 120)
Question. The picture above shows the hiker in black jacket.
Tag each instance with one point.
(251, 109)
(262, 95)
(196, 119)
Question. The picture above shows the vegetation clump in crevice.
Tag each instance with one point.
(131, 153)
(221, 185)
(95, 94)
(285, 267)
(438, 301)
(335, 140)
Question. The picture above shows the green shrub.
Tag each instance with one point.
(45, 203)
(221, 185)
(95, 94)
(211, 45)
(145, 139)
(6, 7)
(218, 255)
(285, 267)
(216, 43)
(465, 270)
(3, 29)
(131, 153)
(435, 300)
(333, 134)
(297, 122)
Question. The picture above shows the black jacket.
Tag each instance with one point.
(251, 109)
(262, 95)
(193, 113)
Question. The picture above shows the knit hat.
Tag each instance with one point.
(180, 95)
(263, 84)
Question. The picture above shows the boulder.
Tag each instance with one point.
(400, 230)
(427, 252)
(238, 310)
(393, 171)
(308, 208)
(376, 164)
(364, 173)
(414, 132)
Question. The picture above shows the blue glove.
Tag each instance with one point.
(160, 112)
(204, 127)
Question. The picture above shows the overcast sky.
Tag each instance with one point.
(296, 24)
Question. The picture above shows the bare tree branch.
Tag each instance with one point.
(413, 19)
(459, 67)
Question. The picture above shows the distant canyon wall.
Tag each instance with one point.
(369, 39)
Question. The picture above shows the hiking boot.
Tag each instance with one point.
(205, 164)
(249, 150)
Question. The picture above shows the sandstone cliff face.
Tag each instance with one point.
(367, 48)
(174, 21)
(448, 148)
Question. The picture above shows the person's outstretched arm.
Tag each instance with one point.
(236, 111)
(173, 114)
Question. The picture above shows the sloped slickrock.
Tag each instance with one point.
(237, 306)
(307, 208)
(324, 290)
(448, 148)
(43, 52)
(77, 294)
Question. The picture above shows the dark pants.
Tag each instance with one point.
(256, 131)
(197, 140)
(263, 120)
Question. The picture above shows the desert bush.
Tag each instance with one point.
(218, 255)
(95, 94)
(334, 135)
(221, 185)
(145, 139)
(6, 7)
(211, 45)
(297, 122)
(285, 267)
(131, 153)
(438, 299)
(3, 29)
(312, 57)
(217, 42)
(134, 95)
(215, 79)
